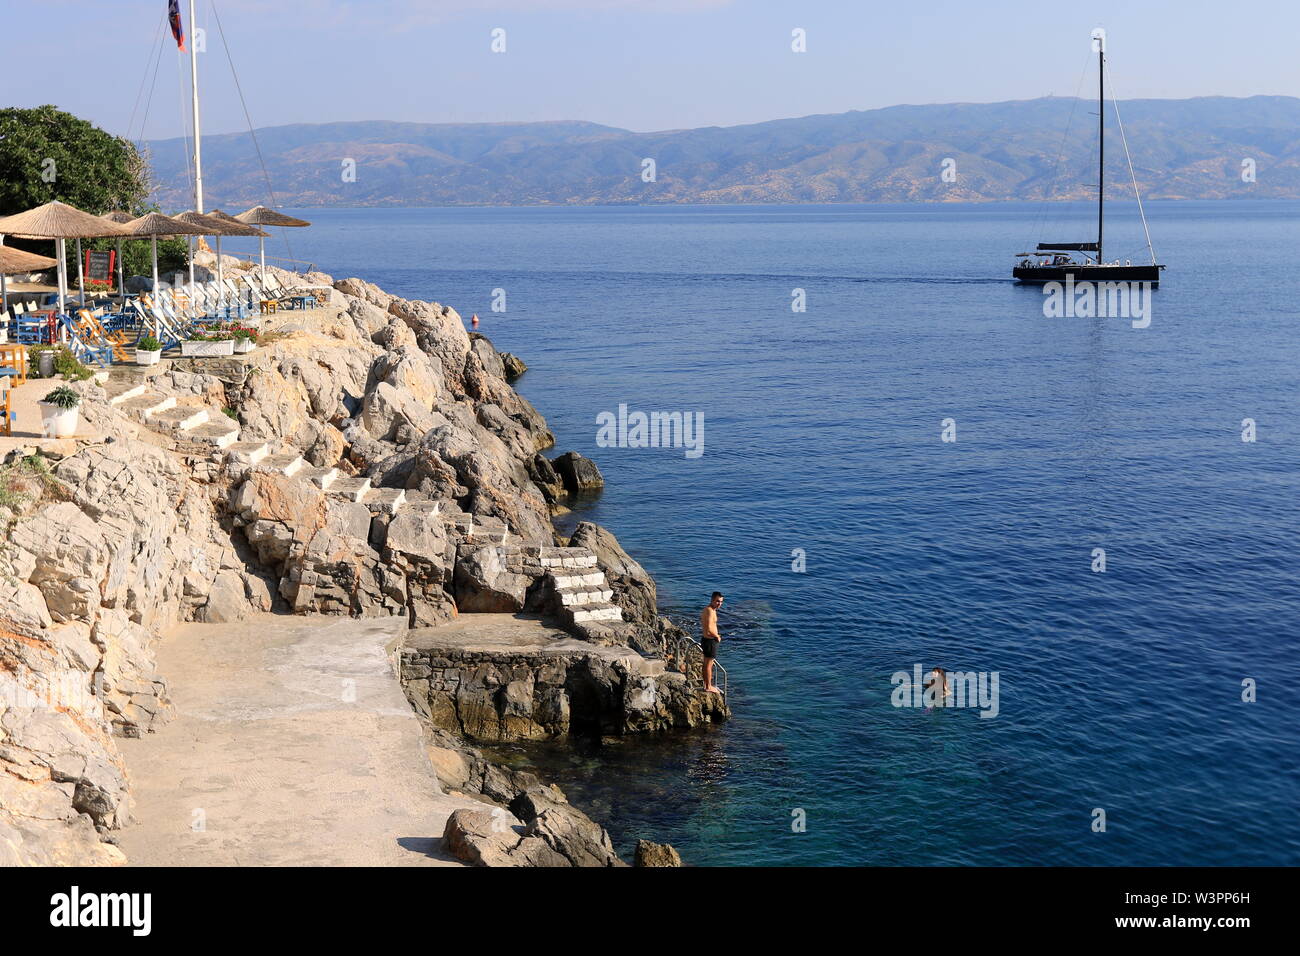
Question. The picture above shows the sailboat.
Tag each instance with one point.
(1055, 261)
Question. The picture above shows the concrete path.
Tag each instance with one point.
(292, 745)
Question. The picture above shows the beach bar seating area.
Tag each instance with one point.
(102, 326)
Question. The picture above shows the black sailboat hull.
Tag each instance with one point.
(1037, 275)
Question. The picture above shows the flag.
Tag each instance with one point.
(174, 17)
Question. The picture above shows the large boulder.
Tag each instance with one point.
(656, 854)
(580, 474)
(440, 332)
(395, 414)
(491, 837)
(514, 366)
(485, 585)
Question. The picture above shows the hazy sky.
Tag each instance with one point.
(637, 64)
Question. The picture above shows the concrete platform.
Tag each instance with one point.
(294, 744)
(511, 635)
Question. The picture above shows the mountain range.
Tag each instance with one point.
(1196, 148)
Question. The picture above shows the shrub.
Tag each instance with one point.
(148, 344)
(65, 363)
(64, 397)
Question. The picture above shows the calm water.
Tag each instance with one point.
(1119, 690)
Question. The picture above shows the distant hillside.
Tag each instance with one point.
(1190, 149)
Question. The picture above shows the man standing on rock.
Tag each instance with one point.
(710, 640)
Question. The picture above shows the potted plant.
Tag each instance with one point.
(147, 351)
(59, 414)
(245, 338)
(208, 342)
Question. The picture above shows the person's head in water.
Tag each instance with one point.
(715, 602)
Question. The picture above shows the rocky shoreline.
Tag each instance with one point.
(370, 459)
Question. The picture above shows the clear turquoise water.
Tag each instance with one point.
(1119, 690)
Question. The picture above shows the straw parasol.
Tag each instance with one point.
(261, 216)
(15, 261)
(155, 224)
(121, 218)
(59, 221)
(220, 225)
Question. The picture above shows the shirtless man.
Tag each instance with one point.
(711, 637)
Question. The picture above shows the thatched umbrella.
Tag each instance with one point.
(15, 261)
(121, 218)
(59, 221)
(220, 225)
(155, 224)
(261, 216)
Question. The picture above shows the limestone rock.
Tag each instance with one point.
(514, 366)
(226, 601)
(656, 854)
(579, 474)
(484, 584)
(390, 413)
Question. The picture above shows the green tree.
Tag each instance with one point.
(47, 154)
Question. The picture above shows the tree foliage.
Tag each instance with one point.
(47, 154)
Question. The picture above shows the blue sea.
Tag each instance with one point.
(1119, 691)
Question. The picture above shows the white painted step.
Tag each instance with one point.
(286, 463)
(248, 452)
(576, 580)
(597, 612)
(322, 478)
(219, 434)
(179, 417)
(385, 500)
(119, 392)
(354, 489)
(583, 597)
(148, 403)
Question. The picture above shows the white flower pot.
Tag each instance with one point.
(244, 346)
(58, 422)
(198, 349)
(145, 357)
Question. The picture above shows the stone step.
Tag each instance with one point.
(584, 560)
(248, 452)
(121, 390)
(479, 523)
(567, 581)
(584, 596)
(385, 500)
(286, 463)
(219, 434)
(179, 417)
(424, 506)
(354, 489)
(148, 403)
(596, 612)
(322, 478)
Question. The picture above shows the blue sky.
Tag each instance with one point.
(638, 64)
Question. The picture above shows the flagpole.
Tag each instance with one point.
(194, 89)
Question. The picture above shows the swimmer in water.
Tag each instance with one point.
(937, 689)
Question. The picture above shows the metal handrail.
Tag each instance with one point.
(251, 257)
(717, 664)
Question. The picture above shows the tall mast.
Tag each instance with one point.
(194, 89)
(1100, 38)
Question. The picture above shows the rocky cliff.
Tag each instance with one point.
(369, 459)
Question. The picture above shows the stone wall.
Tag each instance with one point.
(109, 545)
(525, 693)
